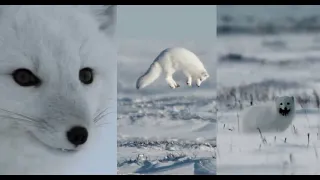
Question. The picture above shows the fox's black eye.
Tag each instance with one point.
(25, 77)
(280, 104)
(288, 103)
(86, 75)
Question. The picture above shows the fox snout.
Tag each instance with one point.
(68, 121)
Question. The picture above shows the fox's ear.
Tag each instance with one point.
(107, 16)
(292, 97)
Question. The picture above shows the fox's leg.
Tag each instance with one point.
(175, 83)
(189, 78)
(198, 82)
(189, 81)
(172, 83)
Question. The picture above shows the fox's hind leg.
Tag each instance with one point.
(172, 83)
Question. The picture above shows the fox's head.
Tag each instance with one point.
(285, 105)
(202, 77)
(57, 72)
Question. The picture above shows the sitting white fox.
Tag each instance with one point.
(170, 61)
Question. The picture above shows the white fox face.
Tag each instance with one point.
(57, 71)
(202, 77)
(285, 105)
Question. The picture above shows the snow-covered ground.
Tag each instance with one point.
(161, 130)
(260, 68)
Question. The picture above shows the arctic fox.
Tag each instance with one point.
(270, 117)
(57, 88)
(171, 60)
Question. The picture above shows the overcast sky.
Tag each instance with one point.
(174, 22)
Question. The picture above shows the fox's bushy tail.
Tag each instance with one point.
(148, 77)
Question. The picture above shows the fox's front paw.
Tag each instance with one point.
(189, 83)
(198, 82)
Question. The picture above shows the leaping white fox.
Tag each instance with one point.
(170, 61)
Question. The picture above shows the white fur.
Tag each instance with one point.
(267, 118)
(55, 42)
(170, 61)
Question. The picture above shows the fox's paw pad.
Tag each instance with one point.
(177, 85)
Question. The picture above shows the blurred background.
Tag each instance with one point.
(265, 51)
(160, 130)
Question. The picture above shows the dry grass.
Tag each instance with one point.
(248, 95)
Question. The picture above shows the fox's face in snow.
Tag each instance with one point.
(57, 76)
(285, 105)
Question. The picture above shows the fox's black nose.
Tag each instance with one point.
(77, 135)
